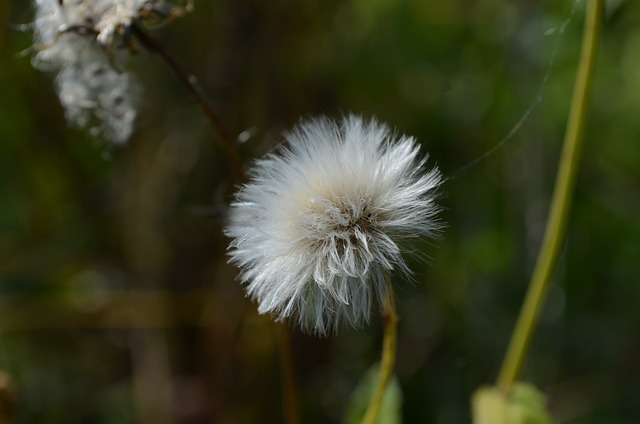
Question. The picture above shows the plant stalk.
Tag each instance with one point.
(388, 360)
(194, 88)
(560, 204)
(289, 389)
(287, 373)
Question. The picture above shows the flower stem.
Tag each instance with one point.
(289, 389)
(194, 88)
(560, 203)
(388, 355)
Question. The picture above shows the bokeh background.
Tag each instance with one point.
(116, 302)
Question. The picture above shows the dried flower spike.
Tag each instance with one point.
(322, 221)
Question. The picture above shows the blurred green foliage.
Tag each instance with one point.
(116, 303)
(390, 407)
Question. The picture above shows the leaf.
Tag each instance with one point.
(391, 408)
(526, 405)
(489, 406)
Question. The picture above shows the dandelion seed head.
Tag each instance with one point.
(323, 220)
(78, 39)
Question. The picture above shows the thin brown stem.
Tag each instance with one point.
(289, 387)
(194, 88)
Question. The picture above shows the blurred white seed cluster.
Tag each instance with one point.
(79, 40)
(322, 221)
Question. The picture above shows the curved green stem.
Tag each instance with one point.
(560, 204)
(388, 355)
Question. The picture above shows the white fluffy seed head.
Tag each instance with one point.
(78, 39)
(71, 39)
(323, 220)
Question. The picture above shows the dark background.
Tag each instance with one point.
(117, 305)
